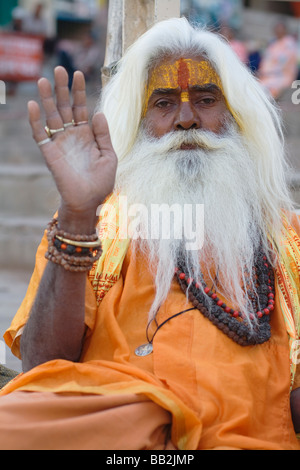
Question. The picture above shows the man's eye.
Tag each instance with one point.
(207, 100)
(162, 104)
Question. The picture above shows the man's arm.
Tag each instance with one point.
(56, 328)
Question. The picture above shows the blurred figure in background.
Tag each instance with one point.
(254, 48)
(66, 51)
(83, 55)
(17, 26)
(18, 18)
(278, 67)
(88, 56)
(237, 45)
(35, 23)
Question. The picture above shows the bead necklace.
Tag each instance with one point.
(228, 320)
(231, 322)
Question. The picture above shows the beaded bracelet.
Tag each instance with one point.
(75, 253)
(53, 227)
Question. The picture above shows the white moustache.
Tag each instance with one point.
(191, 139)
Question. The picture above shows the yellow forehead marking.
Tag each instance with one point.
(182, 73)
(184, 96)
(185, 73)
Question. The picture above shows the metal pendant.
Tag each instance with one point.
(144, 350)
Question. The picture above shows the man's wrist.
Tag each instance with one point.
(77, 223)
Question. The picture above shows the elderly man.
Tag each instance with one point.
(153, 341)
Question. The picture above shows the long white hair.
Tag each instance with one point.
(122, 99)
(258, 118)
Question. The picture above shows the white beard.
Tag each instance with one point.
(220, 174)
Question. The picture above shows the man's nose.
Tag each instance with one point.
(186, 118)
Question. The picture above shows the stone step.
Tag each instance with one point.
(27, 191)
(19, 239)
(19, 151)
(17, 145)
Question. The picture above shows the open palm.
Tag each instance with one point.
(80, 157)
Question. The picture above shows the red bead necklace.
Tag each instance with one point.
(230, 321)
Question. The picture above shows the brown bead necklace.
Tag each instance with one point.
(231, 322)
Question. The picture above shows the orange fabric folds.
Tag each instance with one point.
(48, 421)
(217, 393)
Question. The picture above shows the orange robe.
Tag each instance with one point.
(218, 394)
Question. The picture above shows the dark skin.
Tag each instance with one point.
(56, 326)
(206, 110)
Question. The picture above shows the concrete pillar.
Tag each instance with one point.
(127, 21)
(138, 17)
(165, 9)
(114, 38)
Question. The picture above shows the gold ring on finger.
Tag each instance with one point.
(50, 132)
(55, 131)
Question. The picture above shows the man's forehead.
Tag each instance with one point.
(184, 72)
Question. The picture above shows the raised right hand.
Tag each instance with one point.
(81, 158)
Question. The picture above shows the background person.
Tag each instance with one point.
(279, 65)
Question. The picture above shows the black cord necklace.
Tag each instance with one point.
(147, 348)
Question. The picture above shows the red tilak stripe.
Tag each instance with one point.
(183, 75)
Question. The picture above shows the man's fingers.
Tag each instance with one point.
(102, 135)
(62, 94)
(53, 118)
(37, 127)
(80, 111)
